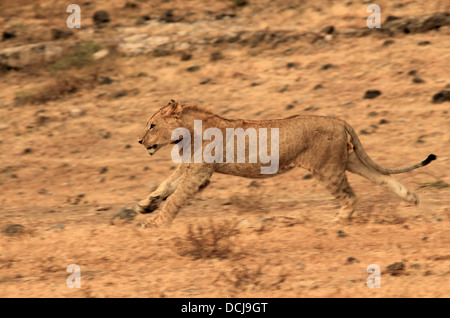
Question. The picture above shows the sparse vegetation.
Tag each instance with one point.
(213, 241)
(435, 185)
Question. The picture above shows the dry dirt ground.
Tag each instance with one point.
(70, 161)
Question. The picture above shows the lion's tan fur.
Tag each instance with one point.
(326, 146)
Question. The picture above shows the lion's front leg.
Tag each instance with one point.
(197, 175)
(165, 189)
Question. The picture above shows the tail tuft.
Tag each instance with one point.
(429, 159)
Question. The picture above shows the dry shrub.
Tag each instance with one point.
(212, 241)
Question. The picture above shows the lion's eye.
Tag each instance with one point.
(152, 126)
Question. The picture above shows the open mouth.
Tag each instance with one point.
(152, 149)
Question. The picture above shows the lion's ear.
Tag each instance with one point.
(173, 108)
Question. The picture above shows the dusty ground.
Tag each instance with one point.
(70, 162)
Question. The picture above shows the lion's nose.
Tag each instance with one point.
(140, 141)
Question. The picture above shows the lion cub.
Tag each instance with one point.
(325, 146)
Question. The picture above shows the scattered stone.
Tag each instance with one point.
(290, 106)
(27, 150)
(341, 233)
(58, 34)
(372, 114)
(119, 94)
(126, 214)
(142, 74)
(254, 84)
(418, 80)
(307, 176)
(205, 81)
(13, 229)
(42, 191)
(56, 227)
(391, 18)
(185, 56)
(100, 54)
(351, 260)
(423, 43)
(284, 88)
(225, 15)
(412, 73)
(106, 81)
(383, 121)
(253, 184)
(328, 66)
(291, 65)
(167, 16)
(130, 5)
(372, 93)
(9, 34)
(240, 3)
(76, 112)
(442, 96)
(215, 56)
(388, 42)
(396, 269)
(364, 132)
(328, 29)
(416, 266)
(194, 68)
(318, 86)
(103, 170)
(104, 134)
(101, 18)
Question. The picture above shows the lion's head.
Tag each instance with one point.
(158, 131)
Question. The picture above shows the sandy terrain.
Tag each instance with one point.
(70, 161)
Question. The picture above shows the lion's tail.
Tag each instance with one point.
(369, 162)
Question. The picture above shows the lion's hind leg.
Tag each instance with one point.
(338, 186)
(355, 165)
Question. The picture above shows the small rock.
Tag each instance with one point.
(194, 68)
(383, 121)
(253, 184)
(423, 43)
(76, 112)
(391, 18)
(56, 227)
(185, 56)
(415, 266)
(42, 191)
(126, 214)
(418, 80)
(307, 176)
(396, 269)
(328, 66)
(341, 233)
(119, 94)
(13, 229)
(412, 73)
(364, 132)
(372, 93)
(291, 65)
(103, 170)
(442, 96)
(328, 29)
(167, 16)
(9, 34)
(130, 5)
(142, 74)
(289, 106)
(388, 42)
(351, 260)
(60, 34)
(318, 86)
(205, 81)
(100, 54)
(215, 56)
(372, 114)
(28, 150)
(104, 134)
(106, 81)
(101, 18)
